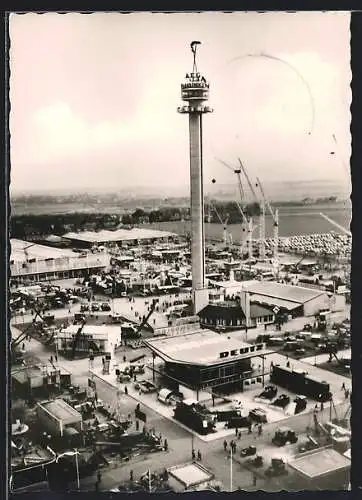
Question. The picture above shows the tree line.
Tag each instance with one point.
(29, 226)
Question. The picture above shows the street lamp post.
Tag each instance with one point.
(231, 469)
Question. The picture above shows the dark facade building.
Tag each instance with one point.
(229, 315)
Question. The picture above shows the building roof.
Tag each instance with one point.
(61, 410)
(320, 463)
(102, 331)
(200, 348)
(104, 236)
(191, 474)
(282, 304)
(290, 293)
(24, 250)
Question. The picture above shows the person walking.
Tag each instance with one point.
(99, 477)
(225, 445)
(236, 432)
(260, 429)
(199, 457)
(343, 388)
(193, 454)
(166, 445)
(131, 476)
(126, 390)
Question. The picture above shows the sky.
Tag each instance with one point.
(94, 98)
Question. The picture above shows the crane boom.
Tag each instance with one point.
(218, 215)
(248, 180)
(334, 223)
(236, 171)
(241, 211)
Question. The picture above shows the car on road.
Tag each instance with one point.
(105, 306)
(248, 452)
(145, 386)
(258, 415)
(283, 436)
(303, 335)
(300, 351)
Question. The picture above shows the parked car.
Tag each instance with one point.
(145, 386)
(300, 351)
(105, 306)
(237, 404)
(248, 452)
(269, 392)
(84, 308)
(258, 415)
(95, 307)
(300, 404)
(282, 401)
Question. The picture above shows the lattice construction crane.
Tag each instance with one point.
(260, 201)
(245, 220)
(275, 217)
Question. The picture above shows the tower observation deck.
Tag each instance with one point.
(195, 92)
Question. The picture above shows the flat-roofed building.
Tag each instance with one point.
(97, 338)
(57, 415)
(207, 360)
(189, 477)
(132, 236)
(297, 300)
(33, 262)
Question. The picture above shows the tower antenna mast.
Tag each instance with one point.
(193, 46)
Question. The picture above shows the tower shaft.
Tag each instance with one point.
(197, 202)
(195, 92)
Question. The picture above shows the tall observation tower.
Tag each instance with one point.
(195, 91)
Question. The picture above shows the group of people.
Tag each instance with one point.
(198, 455)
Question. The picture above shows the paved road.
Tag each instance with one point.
(323, 358)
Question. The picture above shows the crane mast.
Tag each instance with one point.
(275, 216)
(245, 220)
